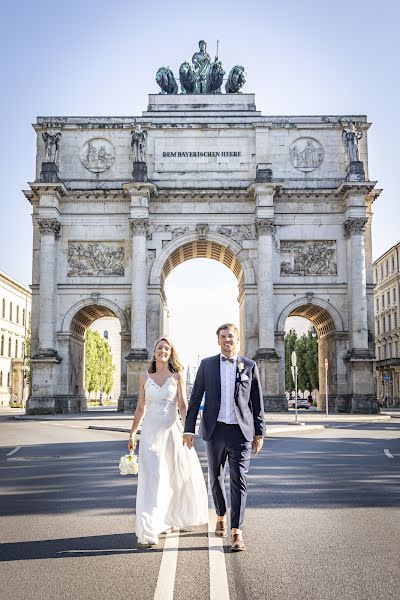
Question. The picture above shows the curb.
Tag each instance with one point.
(270, 431)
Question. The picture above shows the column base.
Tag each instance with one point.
(355, 171)
(137, 362)
(275, 403)
(49, 173)
(364, 404)
(46, 355)
(139, 172)
(55, 405)
(266, 354)
(136, 354)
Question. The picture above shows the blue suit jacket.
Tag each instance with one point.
(248, 398)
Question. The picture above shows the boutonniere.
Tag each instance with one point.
(242, 376)
(240, 367)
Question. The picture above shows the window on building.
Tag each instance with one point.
(377, 305)
(394, 320)
(9, 346)
(17, 315)
(381, 272)
(375, 277)
(388, 298)
(389, 325)
(23, 350)
(384, 351)
(394, 295)
(392, 264)
(16, 348)
(23, 317)
(11, 312)
(1, 378)
(378, 329)
(8, 379)
(383, 301)
(2, 346)
(387, 268)
(3, 310)
(29, 320)
(378, 353)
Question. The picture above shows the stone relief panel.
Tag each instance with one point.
(308, 258)
(97, 155)
(238, 232)
(306, 154)
(94, 259)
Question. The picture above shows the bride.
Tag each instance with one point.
(171, 491)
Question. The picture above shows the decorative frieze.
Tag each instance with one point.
(49, 227)
(139, 226)
(308, 257)
(354, 225)
(306, 154)
(97, 155)
(95, 259)
(265, 226)
(238, 232)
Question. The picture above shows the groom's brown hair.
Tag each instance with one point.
(228, 326)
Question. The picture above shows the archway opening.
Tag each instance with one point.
(201, 294)
(95, 365)
(310, 331)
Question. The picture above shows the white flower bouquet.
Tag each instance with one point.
(128, 465)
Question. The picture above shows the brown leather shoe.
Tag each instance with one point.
(220, 529)
(237, 543)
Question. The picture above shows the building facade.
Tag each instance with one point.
(284, 202)
(15, 315)
(387, 326)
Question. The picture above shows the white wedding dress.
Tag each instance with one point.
(171, 491)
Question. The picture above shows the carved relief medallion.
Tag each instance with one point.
(308, 258)
(94, 259)
(306, 154)
(97, 155)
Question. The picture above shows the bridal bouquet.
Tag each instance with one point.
(128, 465)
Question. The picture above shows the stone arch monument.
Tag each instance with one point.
(284, 202)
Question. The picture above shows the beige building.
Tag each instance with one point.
(15, 315)
(387, 326)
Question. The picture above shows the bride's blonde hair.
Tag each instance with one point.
(174, 364)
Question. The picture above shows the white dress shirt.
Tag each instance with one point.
(228, 371)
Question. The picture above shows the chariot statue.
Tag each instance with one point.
(201, 76)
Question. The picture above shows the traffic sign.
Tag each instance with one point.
(386, 378)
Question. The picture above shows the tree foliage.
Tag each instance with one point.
(99, 368)
(306, 348)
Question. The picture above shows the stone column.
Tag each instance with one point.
(49, 230)
(139, 289)
(354, 229)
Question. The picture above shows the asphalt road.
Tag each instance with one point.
(323, 520)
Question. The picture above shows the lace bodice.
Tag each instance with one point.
(161, 398)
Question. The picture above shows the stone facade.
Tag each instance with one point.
(387, 325)
(269, 197)
(15, 316)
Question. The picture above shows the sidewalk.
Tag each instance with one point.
(277, 423)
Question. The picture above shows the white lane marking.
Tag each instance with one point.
(388, 454)
(14, 451)
(219, 589)
(167, 573)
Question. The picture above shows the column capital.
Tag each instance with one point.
(143, 190)
(139, 226)
(265, 226)
(264, 192)
(49, 227)
(354, 225)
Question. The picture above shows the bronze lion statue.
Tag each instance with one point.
(236, 80)
(166, 80)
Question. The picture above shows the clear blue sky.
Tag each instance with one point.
(97, 57)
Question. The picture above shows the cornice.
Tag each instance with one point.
(204, 195)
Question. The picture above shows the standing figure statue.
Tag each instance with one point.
(201, 66)
(351, 140)
(138, 143)
(52, 142)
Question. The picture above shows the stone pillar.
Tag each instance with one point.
(139, 288)
(266, 355)
(354, 229)
(49, 230)
(360, 359)
(137, 357)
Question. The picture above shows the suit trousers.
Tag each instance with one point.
(228, 443)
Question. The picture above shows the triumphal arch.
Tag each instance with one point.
(282, 201)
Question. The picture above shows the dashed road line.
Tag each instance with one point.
(388, 454)
(219, 589)
(167, 573)
(14, 451)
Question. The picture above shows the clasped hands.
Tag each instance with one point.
(256, 445)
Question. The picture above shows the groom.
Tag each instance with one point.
(232, 425)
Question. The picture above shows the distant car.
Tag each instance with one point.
(301, 403)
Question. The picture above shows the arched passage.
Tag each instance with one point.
(216, 247)
(329, 327)
(72, 345)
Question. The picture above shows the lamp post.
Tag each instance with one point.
(326, 387)
(294, 370)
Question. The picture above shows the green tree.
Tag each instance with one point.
(99, 368)
(290, 342)
(311, 359)
(302, 377)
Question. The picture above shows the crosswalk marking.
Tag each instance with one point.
(219, 589)
(167, 573)
(14, 451)
(388, 453)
